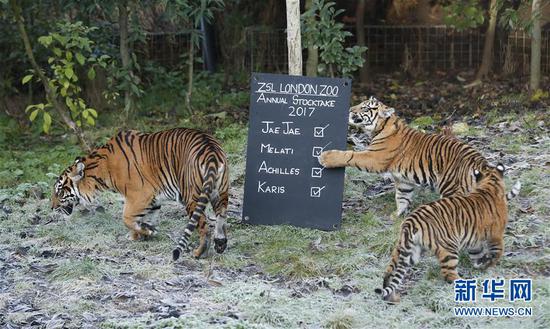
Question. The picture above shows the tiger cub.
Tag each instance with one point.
(182, 164)
(475, 223)
(412, 157)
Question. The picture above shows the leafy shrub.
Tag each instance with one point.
(70, 53)
(320, 29)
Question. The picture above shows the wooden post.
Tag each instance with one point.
(534, 81)
(294, 38)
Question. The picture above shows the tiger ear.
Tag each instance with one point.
(79, 171)
(500, 168)
(386, 113)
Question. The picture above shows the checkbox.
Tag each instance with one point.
(316, 191)
(319, 132)
(317, 150)
(316, 172)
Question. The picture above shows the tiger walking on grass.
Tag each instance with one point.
(181, 164)
(475, 223)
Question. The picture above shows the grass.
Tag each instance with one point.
(270, 276)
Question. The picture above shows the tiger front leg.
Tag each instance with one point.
(335, 158)
(134, 212)
(369, 160)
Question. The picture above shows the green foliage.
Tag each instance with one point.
(124, 79)
(464, 14)
(320, 29)
(510, 18)
(70, 52)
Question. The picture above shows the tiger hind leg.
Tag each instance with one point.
(403, 196)
(492, 255)
(220, 228)
(448, 260)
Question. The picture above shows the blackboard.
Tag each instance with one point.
(292, 120)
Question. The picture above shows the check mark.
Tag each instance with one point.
(316, 191)
(317, 150)
(317, 172)
(319, 132)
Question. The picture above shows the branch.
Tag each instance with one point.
(59, 108)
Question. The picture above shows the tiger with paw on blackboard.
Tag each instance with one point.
(411, 156)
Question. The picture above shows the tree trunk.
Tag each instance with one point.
(312, 51)
(52, 97)
(487, 59)
(534, 83)
(360, 28)
(125, 53)
(190, 73)
(294, 39)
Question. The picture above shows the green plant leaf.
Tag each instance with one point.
(34, 114)
(80, 58)
(45, 40)
(91, 73)
(92, 112)
(29, 107)
(69, 72)
(90, 120)
(26, 79)
(47, 122)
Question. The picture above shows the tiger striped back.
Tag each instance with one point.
(411, 156)
(181, 164)
(475, 223)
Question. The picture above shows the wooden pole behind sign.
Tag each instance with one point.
(294, 39)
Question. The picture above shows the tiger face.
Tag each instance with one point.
(367, 114)
(65, 193)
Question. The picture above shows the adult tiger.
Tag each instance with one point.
(475, 222)
(182, 164)
(411, 156)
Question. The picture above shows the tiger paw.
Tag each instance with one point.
(332, 159)
(393, 298)
(220, 245)
(451, 277)
(202, 249)
(134, 236)
(147, 229)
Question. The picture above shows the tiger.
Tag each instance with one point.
(474, 223)
(181, 164)
(412, 157)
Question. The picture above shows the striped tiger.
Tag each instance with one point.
(180, 164)
(412, 157)
(474, 223)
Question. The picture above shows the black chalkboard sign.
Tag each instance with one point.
(292, 120)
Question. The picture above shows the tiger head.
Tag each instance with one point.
(66, 193)
(490, 177)
(369, 114)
